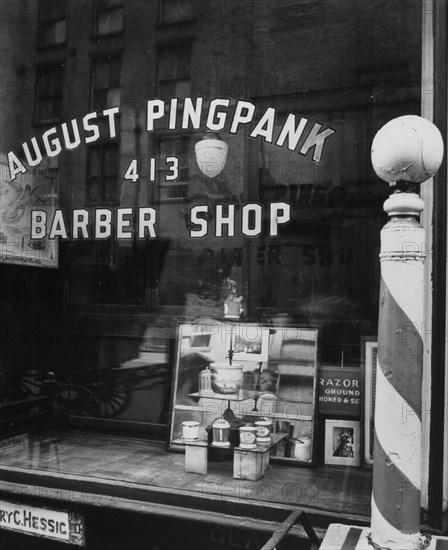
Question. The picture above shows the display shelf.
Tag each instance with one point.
(287, 398)
(245, 395)
(195, 443)
(281, 415)
(242, 395)
(275, 439)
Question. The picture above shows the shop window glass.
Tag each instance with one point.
(106, 78)
(102, 175)
(48, 107)
(109, 16)
(175, 72)
(172, 11)
(105, 322)
(327, 254)
(52, 22)
(178, 149)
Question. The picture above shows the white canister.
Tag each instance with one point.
(248, 437)
(225, 378)
(302, 449)
(264, 428)
(190, 430)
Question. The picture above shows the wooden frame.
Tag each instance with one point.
(369, 351)
(342, 442)
(281, 388)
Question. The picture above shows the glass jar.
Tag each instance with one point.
(205, 382)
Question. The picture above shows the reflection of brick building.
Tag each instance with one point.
(210, 50)
(349, 66)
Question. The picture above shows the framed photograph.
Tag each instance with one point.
(342, 442)
(197, 339)
(273, 375)
(250, 343)
(369, 352)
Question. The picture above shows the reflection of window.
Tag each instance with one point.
(175, 10)
(102, 175)
(175, 72)
(109, 16)
(106, 75)
(49, 86)
(173, 188)
(52, 25)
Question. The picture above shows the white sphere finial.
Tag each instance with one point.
(408, 148)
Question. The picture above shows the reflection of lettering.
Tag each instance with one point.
(305, 254)
(229, 538)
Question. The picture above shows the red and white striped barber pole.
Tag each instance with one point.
(405, 152)
(397, 445)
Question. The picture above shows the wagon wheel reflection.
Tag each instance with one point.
(114, 402)
(31, 383)
(76, 400)
(115, 394)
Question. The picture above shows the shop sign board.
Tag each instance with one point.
(42, 522)
(340, 390)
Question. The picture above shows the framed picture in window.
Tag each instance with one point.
(250, 343)
(369, 352)
(342, 442)
(32, 192)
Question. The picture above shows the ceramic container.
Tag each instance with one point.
(190, 430)
(302, 450)
(248, 437)
(225, 378)
(264, 428)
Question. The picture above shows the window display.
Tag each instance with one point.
(246, 385)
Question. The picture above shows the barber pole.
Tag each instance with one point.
(397, 446)
(405, 152)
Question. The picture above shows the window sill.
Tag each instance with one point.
(99, 37)
(47, 122)
(51, 47)
(172, 200)
(177, 23)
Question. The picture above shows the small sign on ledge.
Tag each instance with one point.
(340, 390)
